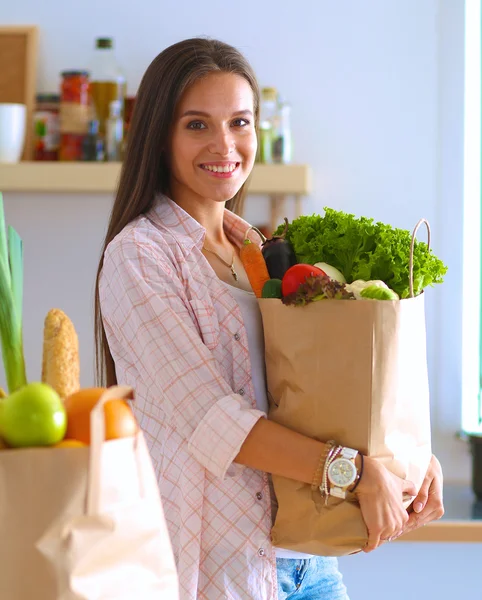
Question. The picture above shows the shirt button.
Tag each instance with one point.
(241, 392)
(237, 337)
(259, 495)
(261, 552)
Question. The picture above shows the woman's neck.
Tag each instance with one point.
(209, 214)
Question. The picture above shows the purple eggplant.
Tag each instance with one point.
(279, 254)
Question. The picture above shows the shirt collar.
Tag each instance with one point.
(188, 232)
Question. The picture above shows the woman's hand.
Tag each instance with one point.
(380, 494)
(428, 505)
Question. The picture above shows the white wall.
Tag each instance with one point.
(377, 94)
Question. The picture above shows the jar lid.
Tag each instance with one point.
(75, 73)
(270, 93)
(104, 43)
(47, 97)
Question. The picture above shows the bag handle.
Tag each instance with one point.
(253, 228)
(412, 246)
(97, 438)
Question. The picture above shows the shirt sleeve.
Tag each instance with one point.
(142, 306)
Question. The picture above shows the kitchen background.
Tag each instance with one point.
(376, 89)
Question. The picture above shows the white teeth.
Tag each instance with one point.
(220, 169)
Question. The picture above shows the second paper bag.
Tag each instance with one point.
(84, 523)
(354, 372)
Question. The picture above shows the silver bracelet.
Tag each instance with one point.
(324, 488)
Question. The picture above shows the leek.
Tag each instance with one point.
(11, 297)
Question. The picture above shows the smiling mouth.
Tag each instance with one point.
(227, 169)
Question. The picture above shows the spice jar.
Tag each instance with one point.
(75, 113)
(46, 127)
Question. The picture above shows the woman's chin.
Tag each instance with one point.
(221, 193)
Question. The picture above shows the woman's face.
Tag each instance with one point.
(213, 140)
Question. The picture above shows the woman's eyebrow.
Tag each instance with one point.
(200, 113)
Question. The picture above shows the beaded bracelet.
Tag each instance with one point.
(318, 476)
(325, 488)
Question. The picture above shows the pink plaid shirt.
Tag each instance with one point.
(177, 337)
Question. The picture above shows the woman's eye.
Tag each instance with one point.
(196, 125)
(240, 122)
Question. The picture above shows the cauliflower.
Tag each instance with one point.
(358, 286)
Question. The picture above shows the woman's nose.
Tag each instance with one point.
(222, 143)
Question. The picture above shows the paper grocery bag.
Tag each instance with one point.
(84, 523)
(354, 371)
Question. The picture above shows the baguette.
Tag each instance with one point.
(60, 360)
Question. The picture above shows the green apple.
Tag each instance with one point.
(34, 415)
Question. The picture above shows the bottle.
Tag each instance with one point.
(266, 124)
(282, 146)
(114, 132)
(92, 144)
(108, 83)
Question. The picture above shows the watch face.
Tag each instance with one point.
(342, 472)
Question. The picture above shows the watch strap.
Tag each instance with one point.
(349, 453)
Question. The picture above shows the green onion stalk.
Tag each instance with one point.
(11, 297)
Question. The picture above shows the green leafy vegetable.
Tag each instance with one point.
(363, 249)
(11, 295)
(317, 287)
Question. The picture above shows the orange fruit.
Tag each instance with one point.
(69, 444)
(119, 420)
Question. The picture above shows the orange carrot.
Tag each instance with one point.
(254, 265)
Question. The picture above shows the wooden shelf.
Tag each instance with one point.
(446, 531)
(40, 177)
(461, 523)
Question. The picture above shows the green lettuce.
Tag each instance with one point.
(363, 249)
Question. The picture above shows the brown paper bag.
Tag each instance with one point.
(84, 523)
(355, 372)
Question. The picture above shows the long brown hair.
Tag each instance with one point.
(145, 169)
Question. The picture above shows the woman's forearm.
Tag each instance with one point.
(276, 449)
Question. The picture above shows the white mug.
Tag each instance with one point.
(13, 119)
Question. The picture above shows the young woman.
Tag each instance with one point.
(176, 320)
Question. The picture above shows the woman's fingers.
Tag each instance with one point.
(432, 511)
(421, 498)
(371, 545)
(428, 505)
(384, 520)
(431, 483)
(409, 488)
(374, 531)
(381, 504)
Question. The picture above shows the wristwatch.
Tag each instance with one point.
(342, 472)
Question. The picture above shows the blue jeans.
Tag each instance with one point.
(316, 578)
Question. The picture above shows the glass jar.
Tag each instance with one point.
(266, 124)
(47, 127)
(282, 145)
(75, 113)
